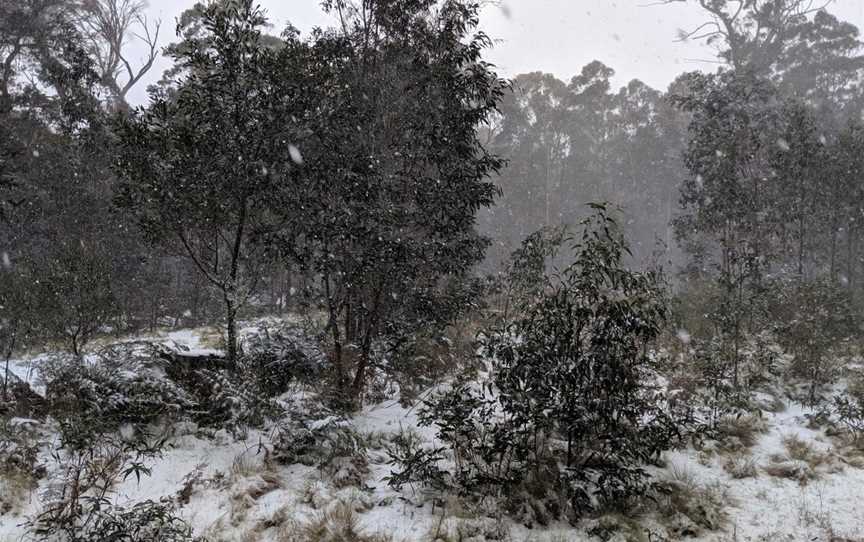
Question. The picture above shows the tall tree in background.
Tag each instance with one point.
(568, 144)
(107, 26)
(751, 35)
(533, 136)
(805, 50)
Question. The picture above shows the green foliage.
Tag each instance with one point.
(418, 465)
(274, 359)
(77, 504)
(393, 173)
(848, 407)
(570, 408)
(202, 165)
(230, 399)
(144, 521)
(316, 436)
(132, 394)
(21, 467)
(813, 318)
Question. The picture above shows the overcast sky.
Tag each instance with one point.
(633, 37)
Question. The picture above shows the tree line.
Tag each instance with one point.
(366, 170)
(350, 157)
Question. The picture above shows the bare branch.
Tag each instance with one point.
(107, 25)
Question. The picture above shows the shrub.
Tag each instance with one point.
(570, 410)
(118, 390)
(739, 432)
(687, 507)
(20, 469)
(77, 501)
(813, 318)
(276, 358)
(325, 440)
(417, 464)
(143, 522)
(740, 466)
(848, 408)
(338, 524)
(228, 399)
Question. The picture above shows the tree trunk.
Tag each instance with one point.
(231, 325)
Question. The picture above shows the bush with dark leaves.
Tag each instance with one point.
(276, 358)
(114, 391)
(569, 416)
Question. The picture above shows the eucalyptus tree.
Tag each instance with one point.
(392, 157)
(201, 163)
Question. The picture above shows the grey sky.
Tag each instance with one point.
(634, 38)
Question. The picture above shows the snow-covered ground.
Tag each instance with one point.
(238, 494)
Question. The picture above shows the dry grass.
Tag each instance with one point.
(801, 461)
(779, 467)
(801, 450)
(340, 523)
(689, 508)
(739, 433)
(15, 489)
(740, 465)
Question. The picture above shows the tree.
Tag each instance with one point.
(730, 221)
(107, 25)
(569, 409)
(751, 35)
(200, 165)
(394, 171)
(195, 38)
(533, 136)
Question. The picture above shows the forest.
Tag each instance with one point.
(352, 284)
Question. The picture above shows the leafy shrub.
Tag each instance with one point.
(704, 382)
(20, 469)
(850, 412)
(145, 521)
(570, 410)
(113, 392)
(227, 399)
(275, 358)
(325, 440)
(417, 464)
(848, 408)
(813, 317)
(88, 467)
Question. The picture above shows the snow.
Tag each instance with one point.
(761, 508)
(237, 487)
(770, 508)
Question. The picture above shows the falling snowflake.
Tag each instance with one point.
(296, 157)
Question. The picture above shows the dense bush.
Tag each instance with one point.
(848, 407)
(569, 417)
(276, 358)
(229, 399)
(20, 465)
(813, 320)
(316, 436)
(145, 521)
(126, 386)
